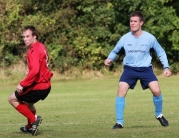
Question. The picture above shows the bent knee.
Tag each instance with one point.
(11, 97)
(156, 93)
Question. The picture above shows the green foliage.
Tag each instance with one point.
(81, 33)
(175, 68)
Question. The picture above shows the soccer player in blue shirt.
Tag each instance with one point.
(137, 66)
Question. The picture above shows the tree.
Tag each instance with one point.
(81, 33)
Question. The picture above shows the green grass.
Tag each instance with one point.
(85, 109)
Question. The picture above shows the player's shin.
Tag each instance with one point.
(157, 100)
(120, 104)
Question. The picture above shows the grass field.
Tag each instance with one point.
(85, 109)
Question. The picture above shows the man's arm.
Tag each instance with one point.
(163, 58)
(161, 54)
(113, 53)
(33, 70)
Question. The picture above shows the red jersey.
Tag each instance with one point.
(38, 74)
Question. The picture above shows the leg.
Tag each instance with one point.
(157, 100)
(31, 106)
(120, 104)
(157, 97)
(21, 107)
(33, 110)
(28, 127)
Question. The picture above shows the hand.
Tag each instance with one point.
(167, 72)
(107, 62)
(19, 88)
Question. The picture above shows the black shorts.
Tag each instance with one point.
(33, 96)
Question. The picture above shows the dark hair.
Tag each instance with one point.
(33, 29)
(138, 14)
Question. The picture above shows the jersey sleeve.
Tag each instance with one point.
(116, 50)
(33, 65)
(161, 54)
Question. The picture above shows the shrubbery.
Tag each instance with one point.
(82, 33)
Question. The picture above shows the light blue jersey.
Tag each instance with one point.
(137, 50)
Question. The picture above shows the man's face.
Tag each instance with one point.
(28, 38)
(135, 24)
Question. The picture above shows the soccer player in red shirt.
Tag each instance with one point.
(36, 85)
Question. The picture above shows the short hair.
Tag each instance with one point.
(138, 14)
(33, 29)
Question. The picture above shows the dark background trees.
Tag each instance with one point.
(81, 33)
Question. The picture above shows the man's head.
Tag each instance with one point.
(30, 35)
(136, 21)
